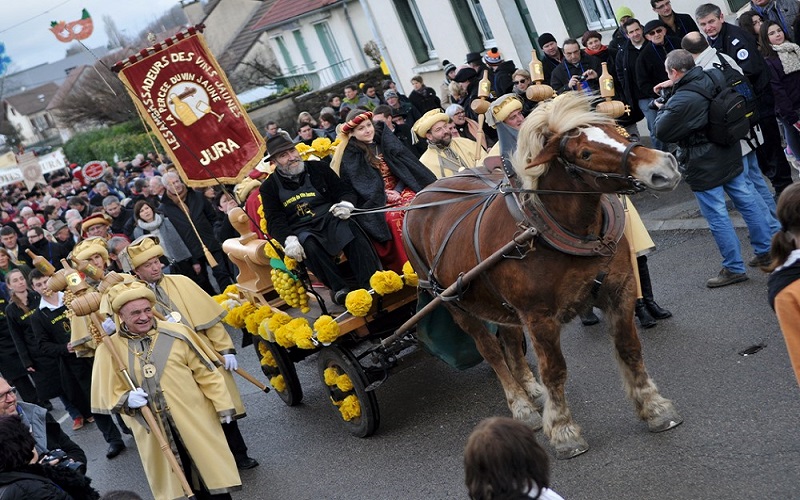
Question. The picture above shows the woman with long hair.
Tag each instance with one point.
(382, 171)
(783, 285)
(783, 61)
(751, 22)
(150, 222)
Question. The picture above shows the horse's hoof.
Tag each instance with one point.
(664, 423)
(571, 449)
(534, 421)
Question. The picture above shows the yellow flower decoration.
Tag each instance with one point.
(344, 383)
(265, 332)
(277, 320)
(327, 329)
(267, 359)
(225, 295)
(279, 384)
(290, 263)
(385, 282)
(301, 333)
(252, 321)
(358, 302)
(330, 375)
(322, 146)
(231, 289)
(269, 250)
(349, 407)
(304, 149)
(262, 219)
(409, 276)
(236, 316)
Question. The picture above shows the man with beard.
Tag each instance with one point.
(466, 127)
(307, 206)
(446, 155)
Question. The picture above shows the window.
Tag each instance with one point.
(598, 13)
(287, 58)
(480, 20)
(415, 30)
(301, 44)
(474, 35)
(331, 50)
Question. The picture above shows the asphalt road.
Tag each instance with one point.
(739, 438)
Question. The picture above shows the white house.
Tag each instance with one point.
(27, 111)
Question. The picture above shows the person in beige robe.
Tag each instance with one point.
(446, 155)
(180, 299)
(176, 377)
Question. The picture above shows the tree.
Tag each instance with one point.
(115, 38)
(256, 71)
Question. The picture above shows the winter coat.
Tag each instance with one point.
(203, 217)
(48, 433)
(565, 71)
(682, 120)
(367, 182)
(783, 12)
(502, 81)
(618, 39)
(42, 482)
(625, 68)
(425, 100)
(174, 246)
(786, 89)
(650, 65)
(10, 363)
(684, 24)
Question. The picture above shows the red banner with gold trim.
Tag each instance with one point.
(187, 101)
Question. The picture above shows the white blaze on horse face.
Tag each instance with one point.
(599, 135)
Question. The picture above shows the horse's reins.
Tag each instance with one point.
(635, 185)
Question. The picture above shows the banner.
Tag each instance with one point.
(49, 163)
(186, 99)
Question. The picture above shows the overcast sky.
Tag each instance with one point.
(25, 25)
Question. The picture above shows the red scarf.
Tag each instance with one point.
(602, 49)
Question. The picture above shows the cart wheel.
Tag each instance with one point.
(293, 394)
(345, 363)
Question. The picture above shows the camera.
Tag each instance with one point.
(62, 460)
(581, 78)
(661, 99)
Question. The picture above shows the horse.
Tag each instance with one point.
(568, 158)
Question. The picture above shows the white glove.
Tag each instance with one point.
(342, 209)
(137, 398)
(294, 249)
(226, 419)
(230, 362)
(109, 326)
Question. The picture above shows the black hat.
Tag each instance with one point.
(465, 75)
(546, 38)
(651, 25)
(473, 57)
(399, 112)
(277, 144)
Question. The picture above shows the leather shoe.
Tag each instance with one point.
(341, 296)
(115, 449)
(725, 278)
(656, 310)
(246, 463)
(762, 260)
(589, 318)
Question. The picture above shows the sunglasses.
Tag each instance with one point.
(520, 81)
(657, 31)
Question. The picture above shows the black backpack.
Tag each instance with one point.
(728, 120)
(740, 84)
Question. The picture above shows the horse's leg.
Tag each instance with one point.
(488, 345)
(657, 411)
(563, 432)
(511, 340)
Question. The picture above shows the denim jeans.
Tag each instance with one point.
(712, 206)
(650, 116)
(766, 200)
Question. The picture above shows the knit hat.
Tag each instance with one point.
(493, 56)
(651, 25)
(448, 67)
(546, 38)
(122, 293)
(389, 93)
(465, 74)
(623, 11)
(473, 57)
(143, 249)
(428, 120)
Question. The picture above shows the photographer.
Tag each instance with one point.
(46, 432)
(711, 170)
(578, 71)
(26, 475)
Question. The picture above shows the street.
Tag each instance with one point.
(739, 437)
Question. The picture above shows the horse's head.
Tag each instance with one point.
(590, 147)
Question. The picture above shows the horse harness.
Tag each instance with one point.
(534, 220)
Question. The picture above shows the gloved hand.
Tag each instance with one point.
(137, 398)
(230, 362)
(342, 209)
(294, 249)
(109, 326)
(226, 419)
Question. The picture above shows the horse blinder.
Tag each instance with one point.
(631, 185)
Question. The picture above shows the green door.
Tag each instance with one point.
(572, 15)
(737, 4)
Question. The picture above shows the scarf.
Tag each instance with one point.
(151, 226)
(602, 49)
(789, 54)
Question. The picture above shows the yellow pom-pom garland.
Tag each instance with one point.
(358, 302)
(385, 282)
(349, 407)
(409, 276)
(279, 384)
(327, 329)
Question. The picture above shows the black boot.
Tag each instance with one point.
(589, 318)
(643, 315)
(654, 309)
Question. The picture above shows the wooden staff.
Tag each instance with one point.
(210, 258)
(480, 106)
(87, 304)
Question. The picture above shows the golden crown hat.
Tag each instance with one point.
(424, 124)
(244, 188)
(501, 108)
(84, 249)
(94, 220)
(122, 293)
(143, 249)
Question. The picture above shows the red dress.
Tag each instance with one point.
(391, 252)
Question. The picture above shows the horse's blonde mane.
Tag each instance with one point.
(551, 118)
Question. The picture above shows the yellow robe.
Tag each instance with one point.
(203, 314)
(441, 166)
(195, 396)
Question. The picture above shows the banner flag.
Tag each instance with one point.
(187, 101)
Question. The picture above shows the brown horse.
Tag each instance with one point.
(567, 156)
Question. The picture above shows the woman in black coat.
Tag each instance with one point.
(382, 171)
(43, 368)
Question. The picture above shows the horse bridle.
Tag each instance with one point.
(633, 185)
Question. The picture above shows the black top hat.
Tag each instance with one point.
(277, 144)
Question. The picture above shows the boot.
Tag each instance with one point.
(643, 315)
(589, 318)
(654, 309)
